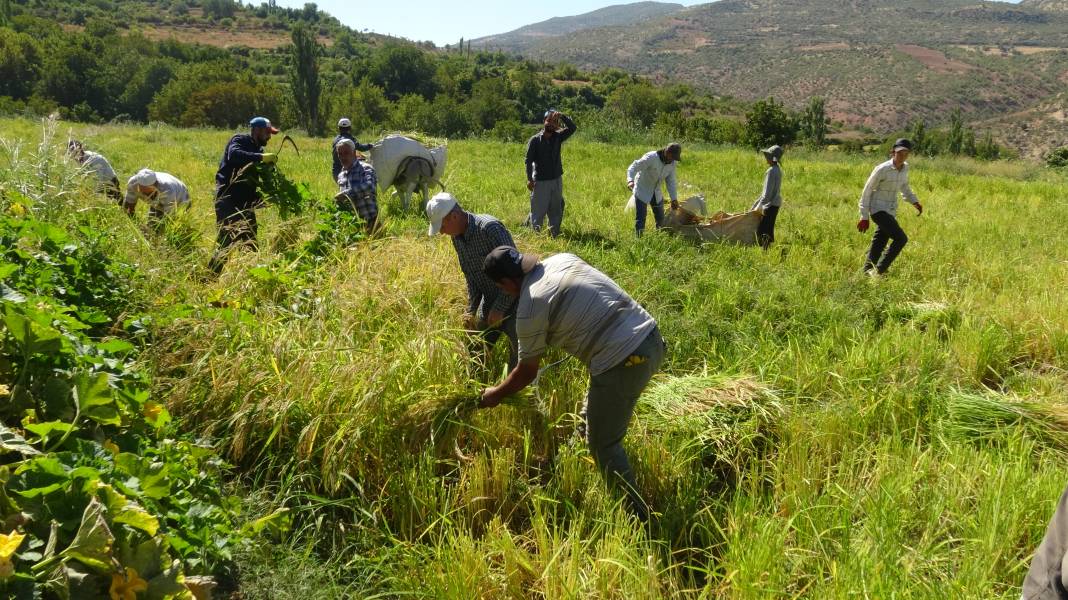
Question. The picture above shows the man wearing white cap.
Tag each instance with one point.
(344, 132)
(163, 192)
(489, 311)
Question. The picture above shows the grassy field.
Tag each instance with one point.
(813, 434)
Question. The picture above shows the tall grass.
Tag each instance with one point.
(813, 433)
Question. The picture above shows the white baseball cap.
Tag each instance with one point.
(145, 177)
(344, 123)
(440, 205)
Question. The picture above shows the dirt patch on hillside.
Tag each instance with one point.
(1029, 50)
(260, 39)
(934, 60)
(825, 47)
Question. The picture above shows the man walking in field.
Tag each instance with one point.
(566, 303)
(107, 180)
(490, 312)
(545, 171)
(164, 193)
(878, 203)
(358, 182)
(344, 132)
(645, 177)
(236, 198)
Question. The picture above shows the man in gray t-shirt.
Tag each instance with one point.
(565, 303)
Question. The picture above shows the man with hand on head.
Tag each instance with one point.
(164, 193)
(878, 203)
(644, 178)
(236, 198)
(490, 312)
(545, 171)
(344, 132)
(565, 303)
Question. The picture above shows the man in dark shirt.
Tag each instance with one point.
(344, 132)
(490, 312)
(236, 198)
(545, 171)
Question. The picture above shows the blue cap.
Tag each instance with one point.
(263, 122)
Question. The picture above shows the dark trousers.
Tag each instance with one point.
(237, 227)
(886, 229)
(640, 211)
(766, 229)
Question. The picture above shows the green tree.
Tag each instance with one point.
(489, 104)
(640, 102)
(987, 148)
(20, 64)
(229, 104)
(767, 122)
(814, 122)
(921, 143)
(5, 12)
(402, 70)
(304, 78)
(955, 140)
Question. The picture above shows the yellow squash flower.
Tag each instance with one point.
(125, 587)
(4, 390)
(151, 410)
(111, 447)
(17, 209)
(9, 542)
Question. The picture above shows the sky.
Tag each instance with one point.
(446, 21)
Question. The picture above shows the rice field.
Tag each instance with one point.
(813, 433)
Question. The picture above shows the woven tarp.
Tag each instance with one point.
(721, 227)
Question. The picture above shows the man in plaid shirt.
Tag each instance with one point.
(358, 183)
(490, 312)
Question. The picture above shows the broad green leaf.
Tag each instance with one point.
(96, 399)
(13, 442)
(31, 336)
(115, 346)
(39, 476)
(124, 510)
(168, 586)
(48, 429)
(6, 269)
(92, 544)
(276, 523)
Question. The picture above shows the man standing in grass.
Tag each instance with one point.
(358, 183)
(490, 312)
(164, 193)
(771, 198)
(879, 203)
(566, 303)
(236, 198)
(645, 177)
(344, 132)
(1047, 579)
(545, 171)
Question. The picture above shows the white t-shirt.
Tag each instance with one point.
(99, 166)
(170, 193)
(570, 305)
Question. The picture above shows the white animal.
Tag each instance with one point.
(407, 166)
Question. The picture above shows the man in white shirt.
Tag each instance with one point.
(565, 303)
(99, 166)
(163, 192)
(878, 203)
(644, 178)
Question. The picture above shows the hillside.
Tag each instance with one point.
(609, 16)
(989, 58)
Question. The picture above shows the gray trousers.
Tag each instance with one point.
(1047, 579)
(547, 200)
(608, 409)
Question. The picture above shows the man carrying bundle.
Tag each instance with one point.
(645, 177)
(236, 198)
(163, 192)
(490, 312)
(563, 302)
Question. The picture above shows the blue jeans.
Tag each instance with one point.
(640, 209)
